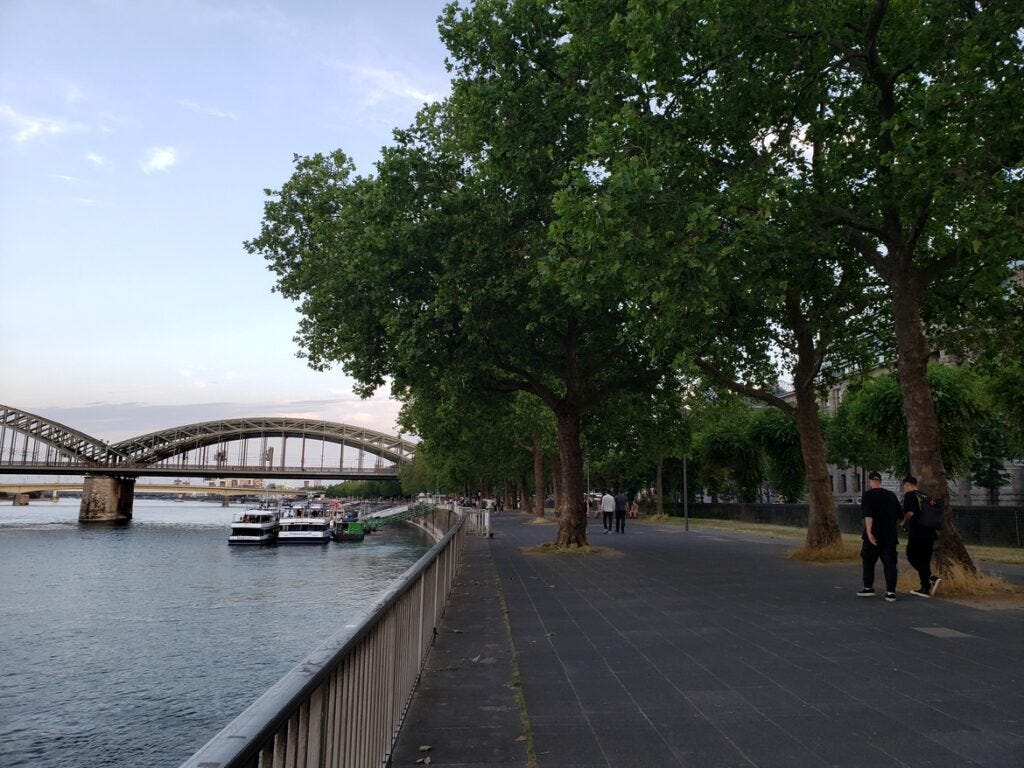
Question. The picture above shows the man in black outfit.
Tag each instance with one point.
(621, 502)
(920, 540)
(882, 513)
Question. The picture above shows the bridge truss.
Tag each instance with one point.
(259, 447)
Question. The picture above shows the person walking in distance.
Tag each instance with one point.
(607, 510)
(882, 513)
(920, 540)
(621, 503)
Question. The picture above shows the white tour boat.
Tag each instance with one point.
(258, 525)
(308, 524)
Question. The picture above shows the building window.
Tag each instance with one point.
(842, 483)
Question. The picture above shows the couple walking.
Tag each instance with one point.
(882, 515)
(614, 505)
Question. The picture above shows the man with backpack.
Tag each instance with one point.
(920, 538)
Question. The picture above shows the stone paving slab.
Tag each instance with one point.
(465, 708)
(709, 648)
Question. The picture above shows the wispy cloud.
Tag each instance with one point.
(28, 127)
(65, 178)
(202, 109)
(159, 159)
(383, 84)
(95, 159)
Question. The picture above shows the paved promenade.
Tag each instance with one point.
(707, 649)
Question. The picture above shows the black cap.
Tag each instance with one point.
(874, 476)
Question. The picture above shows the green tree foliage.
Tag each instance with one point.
(419, 476)
(741, 279)
(365, 489)
(974, 438)
(779, 440)
(888, 127)
(998, 356)
(438, 271)
(1005, 385)
(729, 463)
(474, 440)
(633, 434)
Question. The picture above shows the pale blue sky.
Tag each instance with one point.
(136, 138)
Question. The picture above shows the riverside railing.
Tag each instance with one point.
(343, 705)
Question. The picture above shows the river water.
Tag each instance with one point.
(134, 645)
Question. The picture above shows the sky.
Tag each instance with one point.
(137, 138)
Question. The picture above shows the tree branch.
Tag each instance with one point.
(744, 389)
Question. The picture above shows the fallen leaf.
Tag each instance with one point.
(425, 748)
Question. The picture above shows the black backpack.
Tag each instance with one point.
(930, 514)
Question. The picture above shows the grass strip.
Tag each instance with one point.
(1002, 555)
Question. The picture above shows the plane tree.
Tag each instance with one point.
(739, 283)
(438, 270)
(892, 127)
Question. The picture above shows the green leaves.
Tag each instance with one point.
(869, 428)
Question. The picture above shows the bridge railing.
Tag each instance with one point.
(343, 705)
(179, 469)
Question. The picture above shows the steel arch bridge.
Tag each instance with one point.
(33, 444)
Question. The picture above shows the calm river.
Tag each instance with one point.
(132, 646)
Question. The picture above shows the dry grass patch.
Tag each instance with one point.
(550, 548)
(1002, 555)
(960, 584)
(540, 521)
(838, 552)
(662, 518)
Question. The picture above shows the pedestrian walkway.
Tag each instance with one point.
(706, 649)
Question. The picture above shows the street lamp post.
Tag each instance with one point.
(686, 499)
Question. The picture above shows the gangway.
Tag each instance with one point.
(396, 514)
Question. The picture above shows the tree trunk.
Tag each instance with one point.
(523, 495)
(822, 521)
(556, 482)
(571, 512)
(923, 436)
(538, 478)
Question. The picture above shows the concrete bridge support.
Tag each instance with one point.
(107, 499)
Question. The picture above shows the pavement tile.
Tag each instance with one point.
(568, 746)
(669, 654)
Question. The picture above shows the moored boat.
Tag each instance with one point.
(255, 526)
(348, 528)
(307, 524)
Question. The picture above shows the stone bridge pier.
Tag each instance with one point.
(107, 499)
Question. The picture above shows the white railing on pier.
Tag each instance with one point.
(343, 705)
(478, 521)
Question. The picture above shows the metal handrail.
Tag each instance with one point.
(343, 705)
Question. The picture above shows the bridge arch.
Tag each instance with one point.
(35, 444)
(75, 446)
(168, 443)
